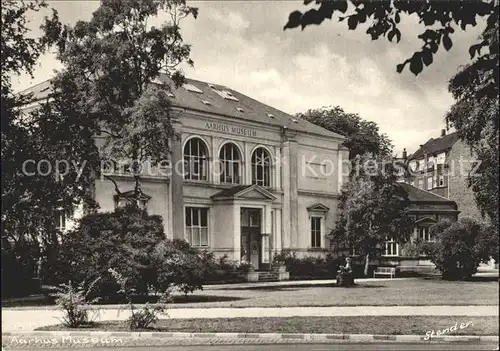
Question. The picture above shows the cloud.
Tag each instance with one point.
(242, 45)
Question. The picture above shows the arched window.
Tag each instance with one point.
(261, 167)
(230, 164)
(195, 160)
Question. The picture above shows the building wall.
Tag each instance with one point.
(461, 164)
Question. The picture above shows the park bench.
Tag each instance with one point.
(390, 271)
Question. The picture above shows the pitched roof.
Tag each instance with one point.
(419, 195)
(433, 146)
(210, 101)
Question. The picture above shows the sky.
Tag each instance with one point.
(242, 44)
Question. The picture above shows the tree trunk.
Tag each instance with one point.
(367, 261)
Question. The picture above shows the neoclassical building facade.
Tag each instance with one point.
(247, 179)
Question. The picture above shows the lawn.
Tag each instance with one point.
(416, 292)
(413, 292)
(387, 325)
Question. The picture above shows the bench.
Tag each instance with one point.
(390, 271)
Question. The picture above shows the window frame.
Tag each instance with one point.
(189, 228)
(387, 243)
(191, 160)
(315, 232)
(227, 166)
(431, 179)
(265, 164)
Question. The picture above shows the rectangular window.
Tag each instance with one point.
(421, 184)
(441, 181)
(315, 231)
(429, 183)
(197, 226)
(424, 235)
(391, 248)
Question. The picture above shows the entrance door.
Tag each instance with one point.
(251, 236)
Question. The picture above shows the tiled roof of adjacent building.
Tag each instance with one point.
(433, 146)
(419, 195)
(213, 98)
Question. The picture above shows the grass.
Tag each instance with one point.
(386, 325)
(412, 292)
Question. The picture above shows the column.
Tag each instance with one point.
(294, 205)
(177, 184)
(236, 233)
(285, 168)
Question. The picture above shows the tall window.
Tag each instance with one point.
(424, 235)
(420, 183)
(230, 164)
(391, 248)
(195, 160)
(315, 231)
(441, 181)
(261, 167)
(429, 183)
(197, 226)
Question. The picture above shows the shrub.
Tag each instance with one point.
(75, 304)
(181, 266)
(459, 248)
(224, 271)
(146, 316)
(307, 267)
(124, 240)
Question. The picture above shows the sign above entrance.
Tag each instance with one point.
(224, 128)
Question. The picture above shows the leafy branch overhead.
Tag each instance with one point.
(384, 19)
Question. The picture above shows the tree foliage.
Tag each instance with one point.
(112, 61)
(362, 136)
(373, 209)
(460, 247)
(439, 17)
(30, 196)
(475, 116)
(124, 240)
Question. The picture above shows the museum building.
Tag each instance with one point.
(253, 180)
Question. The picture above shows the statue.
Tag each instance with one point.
(344, 274)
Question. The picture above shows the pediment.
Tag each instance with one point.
(253, 192)
(426, 220)
(318, 208)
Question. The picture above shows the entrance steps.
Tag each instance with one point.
(273, 276)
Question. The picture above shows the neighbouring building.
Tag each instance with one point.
(426, 208)
(442, 166)
(253, 180)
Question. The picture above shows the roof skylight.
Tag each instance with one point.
(171, 95)
(206, 102)
(294, 120)
(226, 95)
(192, 88)
(240, 109)
(270, 115)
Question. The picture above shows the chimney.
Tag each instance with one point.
(443, 132)
(405, 156)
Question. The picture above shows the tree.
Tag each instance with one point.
(475, 87)
(384, 18)
(30, 196)
(373, 209)
(362, 136)
(112, 61)
(460, 247)
(475, 116)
